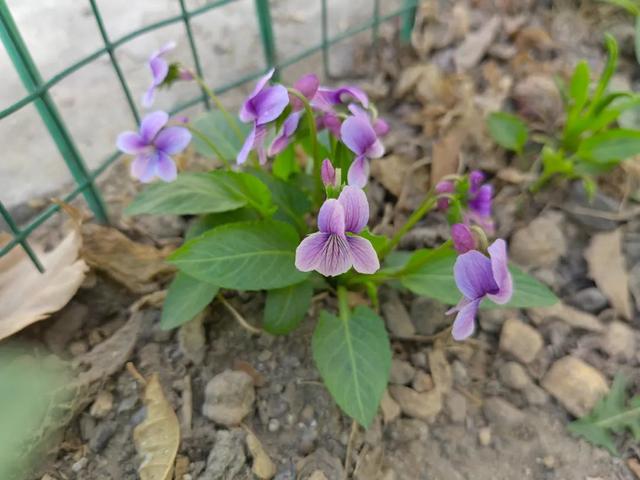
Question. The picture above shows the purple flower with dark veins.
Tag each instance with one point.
(358, 134)
(478, 277)
(264, 105)
(153, 146)
(337, 247)
(326, 100)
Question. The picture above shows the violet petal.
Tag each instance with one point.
(151, 124)
(331, 217)
(464, 324)
(501, 275)
(473, 275)
(131, 143)
(165, 167)
(173, 140)
(358, 173)
(363, 255)
(356, 208)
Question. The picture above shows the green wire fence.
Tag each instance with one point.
(38, 89)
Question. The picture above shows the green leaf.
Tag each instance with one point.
(214, 126)
(286, 307)
(285, 165)
(508, 130)
(243, 256)
(611, 414)
(186, 298)
(579, 85)
(246, 186)
(213, 220)
(629, 5)
(609, 68)
(637, 37)
(433, 277)
(610, 146)
(379, 242)
(189, 194)
(353, 356)
(291, 201)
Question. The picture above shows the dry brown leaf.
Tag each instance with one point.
(157, 438)
(607, 268)
(135, 265)
(263, 467)
(476, 44)
(391, 172)
(26, 295)
(446, 155)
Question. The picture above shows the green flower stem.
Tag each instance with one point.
(315, 150)
(210, 144)
(227, 116)
(343, 303)
(425, 207)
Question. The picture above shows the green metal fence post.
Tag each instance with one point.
(31, 80)
(408, 19)
(194, 51)
(23, 242)
(266, 32)
(110, 50)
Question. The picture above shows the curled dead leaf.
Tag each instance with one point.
(157, 438)
(607, 268)
(135, 265)
(26, 295)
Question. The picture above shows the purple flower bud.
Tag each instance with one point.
(381, 127)
(328, 173)
(307, 85)
(463, 239)
(444, 186)
(478, 277)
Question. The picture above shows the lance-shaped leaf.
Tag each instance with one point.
(353, 356)
(243, 256)
(186, 297)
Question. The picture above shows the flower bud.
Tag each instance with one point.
(328, 173)
(463, 239)
(444, 186)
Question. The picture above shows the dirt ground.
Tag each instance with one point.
(509, 392)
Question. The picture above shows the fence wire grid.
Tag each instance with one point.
(38, 89)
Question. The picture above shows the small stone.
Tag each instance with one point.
(390, 408)
(274, 425)
(520, 340)
(429, 316)
(402, 372)
(396, 316)
(79, 465)
(419, 359)
(227, 457)
(102, 405)
(78, 348)
(535, 395)
(460, 374)
(456, 406)
(101, 436)
(502, 413)
(424, 406)
(590, 300)
(513, 375)
(229, 397)
(318, 475)
(549, 461)
(422, 382)
(307, 441)
(263, 467)
(571, 316)
(575, 384)
(264, 355)
(440, 370)
(619, 341)
(539, 244)
(484, 436)
(407, 430)
(492, 319)
(307, 413)
(596, 202)
(192, 340)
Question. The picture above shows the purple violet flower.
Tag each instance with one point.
(331, 251)
(359, 135)
(463, 239)
(478, 277)
(307, 85)
(328, 174)
(153, 146)
(330, 121)
(480, 200)
(264, 105)
(326, 99)
(160, 71)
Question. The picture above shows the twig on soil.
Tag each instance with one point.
(136, 374)
(347, 458)
(240, 319)
(187, 406)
